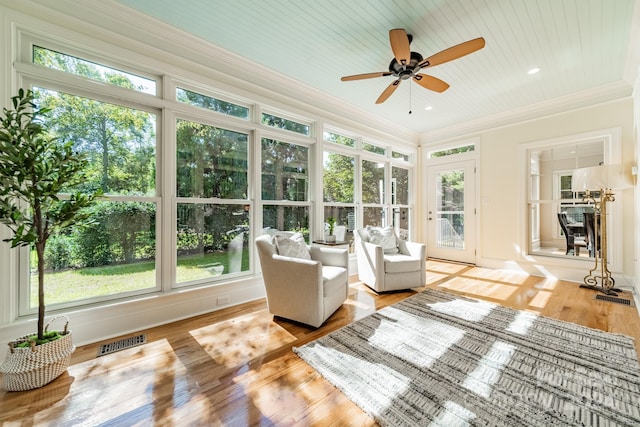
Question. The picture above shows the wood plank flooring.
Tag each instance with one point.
(235, 367)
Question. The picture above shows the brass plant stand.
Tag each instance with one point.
(599, 277)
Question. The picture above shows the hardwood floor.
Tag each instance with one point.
(235, 367)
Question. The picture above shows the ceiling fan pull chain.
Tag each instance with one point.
(409, 99)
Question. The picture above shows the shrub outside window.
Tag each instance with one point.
(212, 238)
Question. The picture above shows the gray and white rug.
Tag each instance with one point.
(444, 360)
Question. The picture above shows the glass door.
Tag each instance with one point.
(451, 211)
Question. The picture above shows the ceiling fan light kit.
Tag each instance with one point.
(406, 65)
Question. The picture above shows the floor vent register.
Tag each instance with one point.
(122, 344)
(616, 300)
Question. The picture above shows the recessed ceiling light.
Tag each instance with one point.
(533, 71)
(428, 107)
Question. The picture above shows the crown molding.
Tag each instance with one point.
(606, 93)
(147, 36)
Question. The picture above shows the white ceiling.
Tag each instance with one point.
(582, 47)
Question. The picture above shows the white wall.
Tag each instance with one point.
(503, 219)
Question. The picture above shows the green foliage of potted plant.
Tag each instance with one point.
(331, 223)
(34, 169)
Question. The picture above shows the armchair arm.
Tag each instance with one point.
(370, 263)
(330, 256)
(294, 288)
(414, 249)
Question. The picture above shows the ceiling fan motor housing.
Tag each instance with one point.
(406, 72)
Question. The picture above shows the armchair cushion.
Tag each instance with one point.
(292, 246)
(400, 263)
(385, 237)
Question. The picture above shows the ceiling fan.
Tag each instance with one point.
(407, 64)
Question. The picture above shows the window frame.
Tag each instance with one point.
(24, 276)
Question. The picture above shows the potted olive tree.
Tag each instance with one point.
(34, 169)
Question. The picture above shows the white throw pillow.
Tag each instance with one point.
(385, 237)
(292, 246)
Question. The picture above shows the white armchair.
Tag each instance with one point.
(304, 290)
(390, 265)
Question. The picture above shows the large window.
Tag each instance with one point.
(373, 193)
(212, 211)
(400, 200)
(182, 198)
(115, 254)
(285, 185)
(338, 185)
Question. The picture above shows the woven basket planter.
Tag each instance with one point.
(38, 365)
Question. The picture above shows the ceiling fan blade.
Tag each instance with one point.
(400, 46)
(454, 52)
(365, 76)
(388, 91)
(431, 83)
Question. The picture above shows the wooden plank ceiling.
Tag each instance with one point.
(583, 48)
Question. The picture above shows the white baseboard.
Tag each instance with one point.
(101, 322)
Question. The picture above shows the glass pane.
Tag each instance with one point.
(401, 222)
(113, 255)
(118, 141)
(452, 151)
(400, 179)
(338, 178)
(280, 123)
(397, 155)
(450, 209)
(565, 187)
(373, 148)
(286, 218)
(212, 240)
(339, 139)
(372, 182)
(373, 216)
(345, 221)
(80, 67)
(285, 171)
(211, 162)
(213, 104)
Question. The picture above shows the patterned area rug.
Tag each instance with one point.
(445, 360)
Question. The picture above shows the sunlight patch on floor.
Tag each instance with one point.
(541, 299)
(510, 277)
(522, 322)
(489, 369)
(471, 310)
(547, 283)
(236, 341)
(359, 305)
(396, 334)
(443, 267)
(479, 288)
(433, 277)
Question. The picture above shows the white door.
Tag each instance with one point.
(451, 211)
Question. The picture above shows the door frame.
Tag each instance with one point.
(452, 160)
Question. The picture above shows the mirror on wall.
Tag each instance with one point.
(557, 225)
